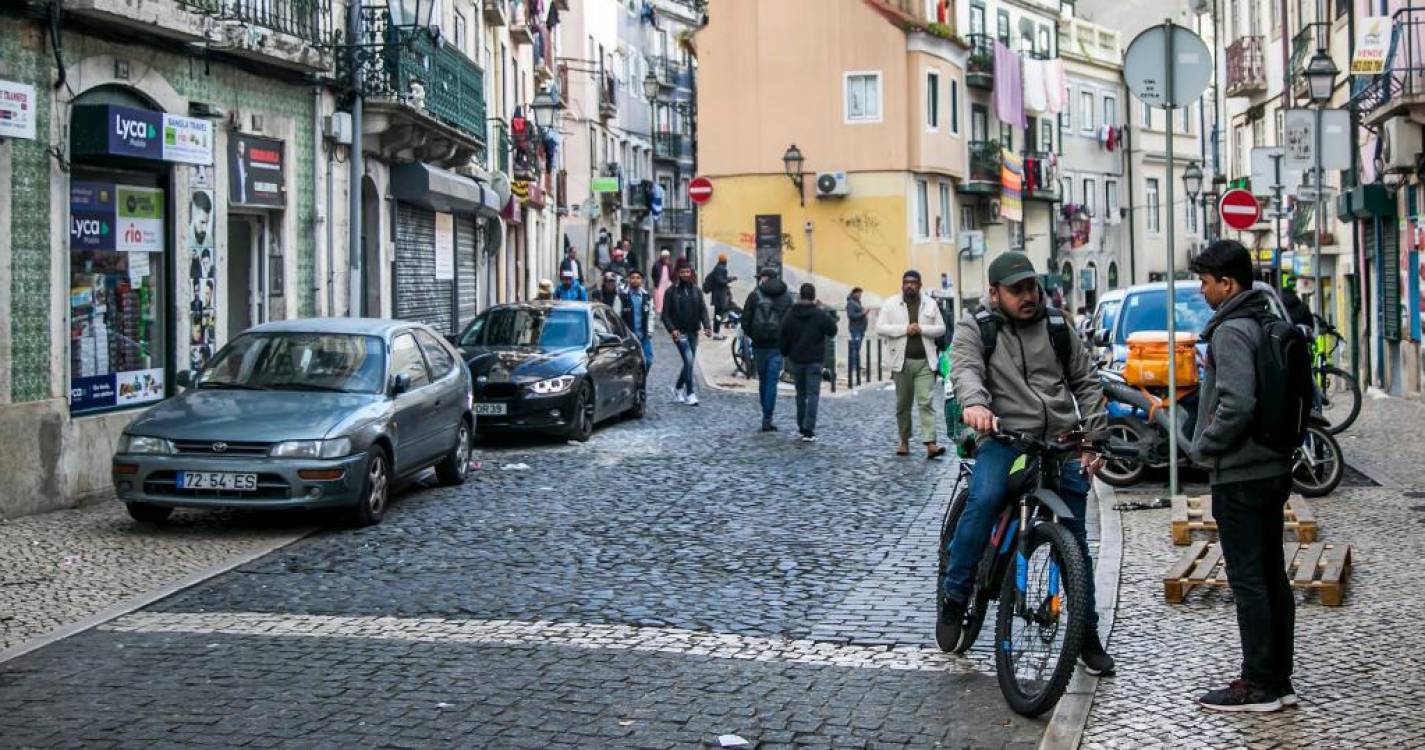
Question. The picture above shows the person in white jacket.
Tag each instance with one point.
(910, 324)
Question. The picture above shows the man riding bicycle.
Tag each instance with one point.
(1017, 366)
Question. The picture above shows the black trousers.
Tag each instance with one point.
(1249, 525)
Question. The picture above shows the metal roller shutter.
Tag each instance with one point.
(419, 296)
(466, 301)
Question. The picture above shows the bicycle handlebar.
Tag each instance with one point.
(1098, 441)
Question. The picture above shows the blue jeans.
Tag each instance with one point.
(769, 368)
(856, 352)
(987, 490)
(808, 380)
(688, 349)
(647, 342)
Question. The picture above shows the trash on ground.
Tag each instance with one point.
(515, 467)
(731, 740)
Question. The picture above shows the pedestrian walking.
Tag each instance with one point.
(607, 292)
(546, 289)
(569, 288)
(638, 313)
(684, 314)
(762, 315)
(662, 279)
(718, 286)
(603, 250)
(1239, 438)
(910, 323)
(571, 263)
(856, 321)
(805, 329)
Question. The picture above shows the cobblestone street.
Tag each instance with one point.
(671, 581)
(1359, 671)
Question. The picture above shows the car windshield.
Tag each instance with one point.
(1147, 311)
(1108, 312)
(299, 362)
(512, 326)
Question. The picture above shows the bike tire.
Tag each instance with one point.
(1351, 390)
(1123, 472)
(1306, 481)
(1073, 570)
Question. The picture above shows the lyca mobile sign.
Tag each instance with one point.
(111, 130)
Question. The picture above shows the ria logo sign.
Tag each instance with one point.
(133, 129)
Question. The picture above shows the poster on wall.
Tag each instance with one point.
(139, 214)
(768, 236)
(17, 110)
(255, 171)
(444, 247)
(202, 278)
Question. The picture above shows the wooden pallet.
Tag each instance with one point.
(1319, 566)
(1195, 513)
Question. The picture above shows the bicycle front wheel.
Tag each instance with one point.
(1041, 621)
(1341, 398)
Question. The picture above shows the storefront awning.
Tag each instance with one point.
(441, 190)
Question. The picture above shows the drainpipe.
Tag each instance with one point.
(356, 171)
(318, 145)
(1287, 99)
(1132, 222)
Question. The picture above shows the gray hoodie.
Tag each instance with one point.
(1024, 385)
(1222, 439)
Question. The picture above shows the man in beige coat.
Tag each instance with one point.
(910, 324)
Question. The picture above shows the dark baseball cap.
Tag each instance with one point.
(1011, 268)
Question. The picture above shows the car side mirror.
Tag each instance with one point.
(400, 383)
(185, 378)
(1100, 338)
(607, 340)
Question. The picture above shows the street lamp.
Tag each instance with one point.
(792, 161)
(1320, 80)
(650, 86)
(1320, 77)
(1192, 180)
(545, 104)
(411, 12)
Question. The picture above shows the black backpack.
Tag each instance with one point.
(1286, 395)
(766, 322)
(1059, 334)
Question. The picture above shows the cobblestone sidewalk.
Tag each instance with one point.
(1360, 673)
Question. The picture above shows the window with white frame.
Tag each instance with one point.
(1091, 196)
(968, 219)
(954, 106)
(863, 97)
(1281, 122)
(1110, 110)
(1154, 219)
(1145, 115)
(1110, 200)
(1259, 132)
(932, 100)
(1067, 188)
(944, 219)
(459, 35)
(1016, 235)
(922, 209)
(1239, 139)
(1186, 119)
(1086, 111)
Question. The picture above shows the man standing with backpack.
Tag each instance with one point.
(804, 333)
(1252, 412)
(762, 321)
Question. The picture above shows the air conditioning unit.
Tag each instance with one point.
(992, 211)
(832, 185)
(1400, 142)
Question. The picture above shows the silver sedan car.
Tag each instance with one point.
(317, 413)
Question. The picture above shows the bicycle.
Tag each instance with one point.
(1340, 392)
(1043, 603)
(741, 344)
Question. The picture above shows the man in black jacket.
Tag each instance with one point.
(762, 322)
(856, 319)
(607, 292)
(638, 315)
(684, 313)
(805, 330)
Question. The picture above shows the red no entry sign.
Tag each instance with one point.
(700, 190)
(1239, 209)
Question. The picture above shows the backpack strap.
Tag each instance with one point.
(989, 334)
(1059, 334)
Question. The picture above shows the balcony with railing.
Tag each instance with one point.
(1246, 67)
(980, 67)
(673, 147)
(293, 34)
(676, 221)
(1313, 36)
(983, 176)
(497, 12)
(1041, 176)
(1400, 87)
(671, 72)
(416, 83)
(608, 96)
(523, 22)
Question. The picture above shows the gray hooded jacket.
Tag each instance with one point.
(1227, 402)
(1024, 385)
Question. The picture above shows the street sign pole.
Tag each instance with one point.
(1172, 276)
(1277, 206)
(1317, 291)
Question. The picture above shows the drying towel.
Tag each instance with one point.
(1056, 85)
(1036, 98)
(1009, 86)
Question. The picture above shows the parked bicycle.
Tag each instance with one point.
(1039, 626)
(1339, 391)
(741, 344)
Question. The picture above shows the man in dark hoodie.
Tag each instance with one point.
(856, 326)
(762, 322)
(684, 313)
(805, 330)
(1250, 483)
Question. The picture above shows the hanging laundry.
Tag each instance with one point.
(1056, 85)
(1009, 86)
(1112, 139)
(1036, 99)
(1102, 134)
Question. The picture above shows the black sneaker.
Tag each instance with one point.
(767, 426)
(1288, 695)
(1241, 696)
(1096, 661)
(949, 625)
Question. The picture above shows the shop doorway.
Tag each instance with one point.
(370, 250)
(247, 274)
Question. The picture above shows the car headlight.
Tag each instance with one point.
(141, 444)
(312, 448)
(552, 386)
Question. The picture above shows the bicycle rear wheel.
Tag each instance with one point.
(1341, 397)
(1318, 465)
(1041, 621)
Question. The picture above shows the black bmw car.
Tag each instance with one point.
(553, 366)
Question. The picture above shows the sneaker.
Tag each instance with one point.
(691, 400)
(1240, 696)
(767, 426)
(949, 625)
(679, 397)
(1095, 659)
(1288, 696)
(808, 438)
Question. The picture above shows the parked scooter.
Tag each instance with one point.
(1140, 416)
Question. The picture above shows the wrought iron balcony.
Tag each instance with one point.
(980, 68)
(308, 20)
(676, 221)
(671, 72)
(673, 147)
(1401, 86)
(1041, 176)
(1246, 67)
(608, 97)
(983, 177)
(1313, 36)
